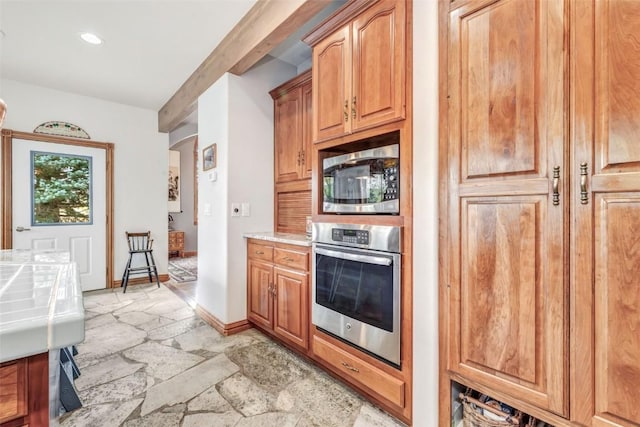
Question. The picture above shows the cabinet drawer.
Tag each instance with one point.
(291, 259)
(262, 252)
(374, 379)
(13, 390)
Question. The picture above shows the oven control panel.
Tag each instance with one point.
(359, 237)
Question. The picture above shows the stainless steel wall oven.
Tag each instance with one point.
(356, 286)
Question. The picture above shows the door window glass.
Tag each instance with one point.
(61, 190)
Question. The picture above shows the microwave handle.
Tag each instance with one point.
(368, 259)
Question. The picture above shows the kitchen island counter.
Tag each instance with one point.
(41, 305)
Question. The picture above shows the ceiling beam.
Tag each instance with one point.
(266, 25)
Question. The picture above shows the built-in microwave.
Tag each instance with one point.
(363, 182)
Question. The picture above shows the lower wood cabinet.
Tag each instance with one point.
(278, 290)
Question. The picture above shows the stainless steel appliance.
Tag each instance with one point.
(356, 285)
(362, 182)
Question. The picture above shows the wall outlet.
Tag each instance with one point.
(235, 209)
(246, 209)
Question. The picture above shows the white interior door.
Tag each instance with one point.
(59, 202)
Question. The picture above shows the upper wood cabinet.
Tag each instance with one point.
(292, 124)
(541, 208)
(359, 68)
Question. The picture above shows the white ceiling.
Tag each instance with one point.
(150, 47)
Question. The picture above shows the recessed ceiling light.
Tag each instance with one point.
(90, 38)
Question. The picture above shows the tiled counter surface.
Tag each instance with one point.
(40, 303)
(291, 239)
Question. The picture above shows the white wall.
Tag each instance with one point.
(425, 212)
(213, 117)
(140, 155)
(237, 114)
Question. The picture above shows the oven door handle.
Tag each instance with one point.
(378, 260)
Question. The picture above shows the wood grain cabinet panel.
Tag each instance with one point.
(13, 390)
(606, 207)
(260, 309)
(359, 72)
(291, 300)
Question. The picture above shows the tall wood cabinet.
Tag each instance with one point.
(359, 71)
(540, 178)
(292, 153)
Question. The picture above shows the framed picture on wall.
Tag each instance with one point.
(174, 181)
(209, 157)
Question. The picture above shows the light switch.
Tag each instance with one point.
(235, 209)
(207, 209)
(246, 209)
(213, 176)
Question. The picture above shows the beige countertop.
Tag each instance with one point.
(289, 238)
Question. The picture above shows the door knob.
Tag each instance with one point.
(21, 229)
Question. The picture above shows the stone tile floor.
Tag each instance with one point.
(149, 360)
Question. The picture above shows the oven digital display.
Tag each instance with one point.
(359, 237)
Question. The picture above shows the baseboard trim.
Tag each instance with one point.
(225, 329)
(187, 254)
(140, 280)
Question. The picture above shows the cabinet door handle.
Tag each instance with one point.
(584, 197)
(556, 182)
(302, 157)
(288, 259)
(298, 161)
(346, 110)
(273, 290)
(349, 367)
(259, 253)
(353, 108)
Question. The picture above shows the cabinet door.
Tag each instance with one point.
(606, 233)
(506, 135)
(331, 85)
(307, 130)
(291, 306)
(378, 79)
(259, 304)
(288, 135)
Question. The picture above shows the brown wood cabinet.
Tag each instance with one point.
(540, 209)
(359, 69)
(293, 154)
(176, 243)
(292, 136)
(278, 290)
(24, 397)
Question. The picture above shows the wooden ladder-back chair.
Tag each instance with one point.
(140, 243)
